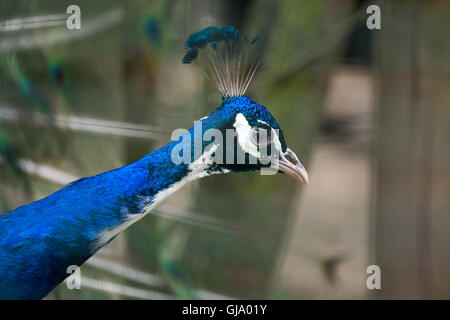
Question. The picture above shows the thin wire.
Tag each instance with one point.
(125, 272)
(86, 124)
(112, 287)
(45, 37)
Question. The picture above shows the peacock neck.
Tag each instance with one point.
(40, 240)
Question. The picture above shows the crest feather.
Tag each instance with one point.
(226, 57)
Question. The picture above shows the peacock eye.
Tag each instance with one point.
(259, 136)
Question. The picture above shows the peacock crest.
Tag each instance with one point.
(225, 56)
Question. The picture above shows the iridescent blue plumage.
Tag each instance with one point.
(40, 240)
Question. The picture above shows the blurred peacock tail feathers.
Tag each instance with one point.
(226, 57)
(9, 158)
(26, 85)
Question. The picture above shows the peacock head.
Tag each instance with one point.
(240, 135)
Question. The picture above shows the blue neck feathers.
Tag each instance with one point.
(40, 240)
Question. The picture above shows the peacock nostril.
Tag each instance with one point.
(290, 165)
(292, 158)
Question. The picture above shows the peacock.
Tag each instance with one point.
(40, 240)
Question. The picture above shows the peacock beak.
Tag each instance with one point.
(290, 165)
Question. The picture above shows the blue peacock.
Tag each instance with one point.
(38, 241)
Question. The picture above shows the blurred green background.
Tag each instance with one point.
(367, 110)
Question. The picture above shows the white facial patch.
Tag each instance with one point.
(243, 130)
